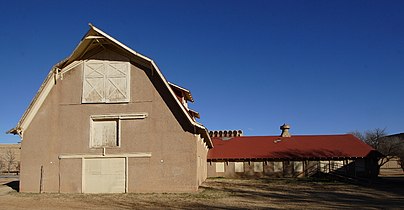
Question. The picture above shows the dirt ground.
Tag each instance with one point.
(383, 193)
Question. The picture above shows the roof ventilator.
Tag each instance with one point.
(285, 130)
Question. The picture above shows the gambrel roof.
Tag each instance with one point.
(91, 40)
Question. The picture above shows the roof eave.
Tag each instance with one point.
(12, 131)
(187, 93)
(205, 135)
(195, 113)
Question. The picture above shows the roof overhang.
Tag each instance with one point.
(195, 113)
(281, 158)
(186, 92)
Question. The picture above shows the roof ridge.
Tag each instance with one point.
(304, 135)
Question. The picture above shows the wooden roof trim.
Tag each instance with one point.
(195, 113)
(187, 93)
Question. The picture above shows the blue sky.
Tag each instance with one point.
(324, 67)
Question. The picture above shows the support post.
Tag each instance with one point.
(41, 181)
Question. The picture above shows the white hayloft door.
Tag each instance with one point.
(106, 82)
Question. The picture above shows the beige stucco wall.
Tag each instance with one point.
(62, 127)
(393, 163)
(310, 167)
(202, 153)
(268, 169)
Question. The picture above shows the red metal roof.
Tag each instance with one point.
(295, 147)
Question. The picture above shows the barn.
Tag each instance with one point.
(106, 120)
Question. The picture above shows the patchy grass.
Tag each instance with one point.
(222, 193)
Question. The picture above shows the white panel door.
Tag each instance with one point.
(104, 133)
(117, 82)
(106, 82)
(104, 175)
(93, 82)
(219, 167)
(239, 167)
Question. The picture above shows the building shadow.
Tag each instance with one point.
(15, 185)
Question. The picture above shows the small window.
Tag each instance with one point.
(220, 167)
(258, 166)
(298, 166)
(104, 133)
(239, 167)
(278, 167)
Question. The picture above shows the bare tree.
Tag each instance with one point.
(1, 165)
(389, 146)
(9, 159)
(18, 167)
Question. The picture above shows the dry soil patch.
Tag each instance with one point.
(230, 194)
